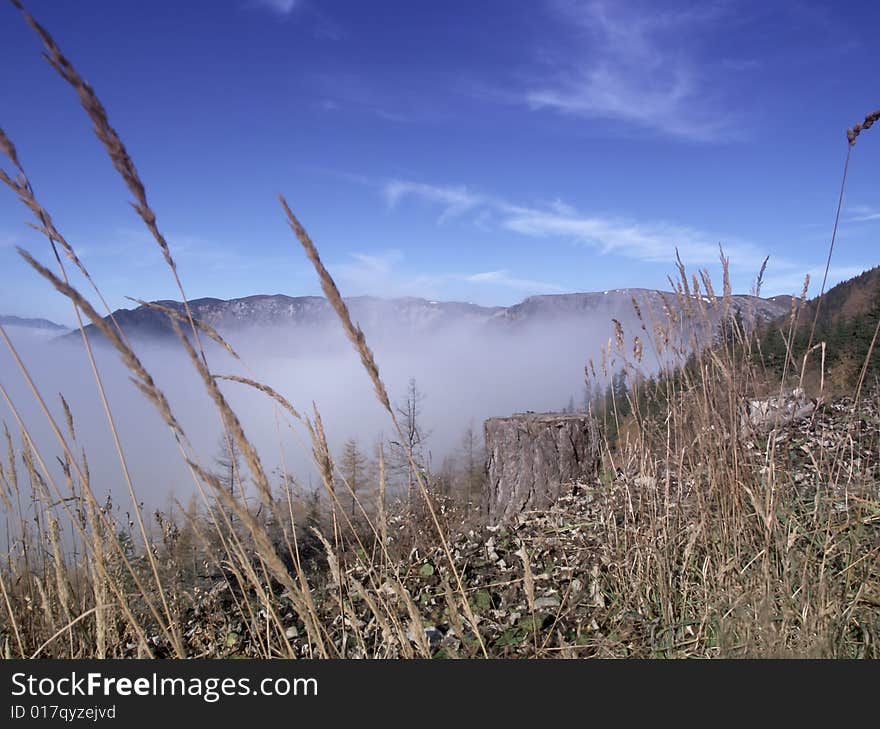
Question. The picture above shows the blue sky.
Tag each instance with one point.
(479, 151)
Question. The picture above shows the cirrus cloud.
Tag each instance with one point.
(282, 7)
(640, 67)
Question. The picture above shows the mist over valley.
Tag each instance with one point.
(469, 363)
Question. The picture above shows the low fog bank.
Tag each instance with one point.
(466, 374)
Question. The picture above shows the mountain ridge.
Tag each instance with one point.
(31, 323)
(415, 314)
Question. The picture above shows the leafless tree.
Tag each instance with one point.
(409, 454)
(473, 455)
(228, 463)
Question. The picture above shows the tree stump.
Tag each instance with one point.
(533, 458)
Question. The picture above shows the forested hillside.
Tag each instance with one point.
(846, 323)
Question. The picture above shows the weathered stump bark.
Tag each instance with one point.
(533, 458)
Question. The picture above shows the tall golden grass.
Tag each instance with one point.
(701, 542)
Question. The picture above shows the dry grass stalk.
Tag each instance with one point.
(356, 336)
(206, 329)
(113, 144)
(853, 133)
(698, 535)
(144, 381)
(22, 187)
(352, 331)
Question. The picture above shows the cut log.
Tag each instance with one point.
(533, 458)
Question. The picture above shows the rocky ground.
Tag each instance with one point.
(535, 587)
(835, 432)
(546, 607)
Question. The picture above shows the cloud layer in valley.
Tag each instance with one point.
(467, 371)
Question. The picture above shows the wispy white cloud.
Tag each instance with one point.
(377, 264)
(637, 69)
(7, 240)
(503, 278)
(862, 214)
(282, 7)
(647, 241)
(652, 241)
(385, 273)
(454, 200)
(368, 271)
(741, 64)
(188, 250)
(388, 96)
(562, 208)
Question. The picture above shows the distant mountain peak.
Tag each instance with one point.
(18, 321)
